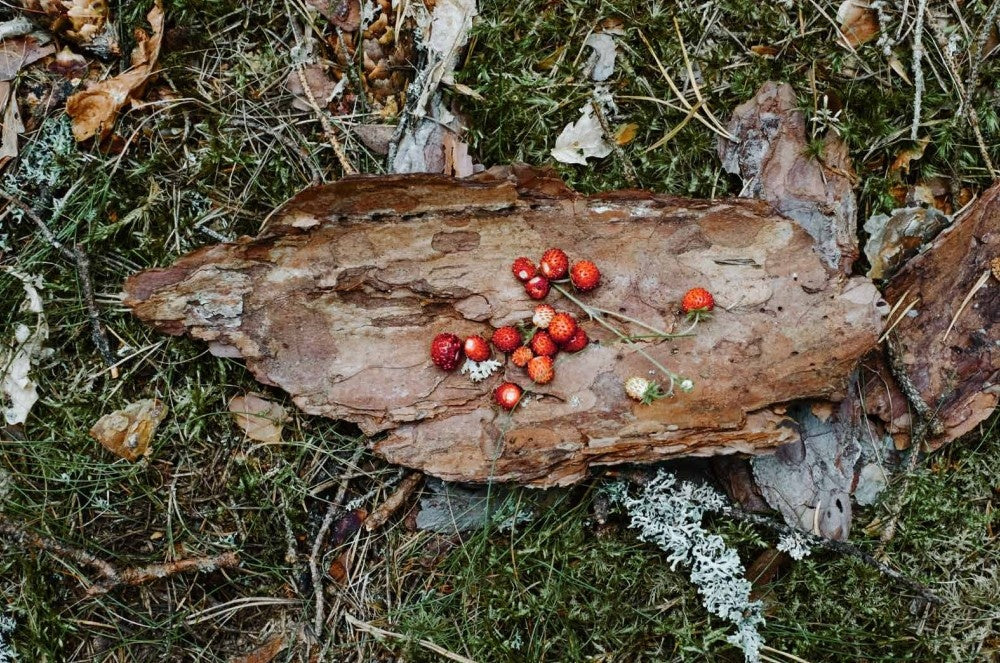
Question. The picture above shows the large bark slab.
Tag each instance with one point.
(336, 302)
(952, 375)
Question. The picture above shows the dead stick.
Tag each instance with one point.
(82, 262)
(841, 547)
(384, 511)
(20, 533)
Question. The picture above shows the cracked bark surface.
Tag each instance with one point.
(337, 299)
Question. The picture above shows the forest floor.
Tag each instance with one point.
(226, 146)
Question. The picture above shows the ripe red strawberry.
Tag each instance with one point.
(697, 299)
(540, 370)
(554, 264)
(543, 316)
(506, 339)
(537, 287)
(523, 269)
(522, 356)
(562, 327)
(507, 395)
(585, 275)
(446, 350)
(542, 344)
(577, 343)
(476, 348)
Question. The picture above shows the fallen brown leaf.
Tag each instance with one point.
(128, 432)
(94, 110)
(19, 52)
(263, 654)
(910, 154)
(626, 134)
(12, 126)
(858, 22)
(259, 418)
(83, 22)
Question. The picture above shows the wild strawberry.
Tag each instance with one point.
(522, 356)
(446, 349)
(540, 370)
(562, 327)
(523, 269)
(506, 339)
(554, 264)
(643, 390)
(542, 344)
(537, 287)
(577, 343)
(697, 300)
(585, 275)
(507, 395)
(476, 348)
(543, 316)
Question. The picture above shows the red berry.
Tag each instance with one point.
(585, 275)
(537, 287)
(507, 339)
(554, 264)
(542, 344)
(543, 316)
(522, 356)
(577, 343)
(523, 269)
(507, 395)
(562, 327)
(476, 348)
(446, 350)
(697, 299)
(540, 370)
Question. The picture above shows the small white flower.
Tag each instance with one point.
(686, 386)
(581, 140)
(480, 370)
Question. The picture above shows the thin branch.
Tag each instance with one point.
(840, 547)
(384, 511)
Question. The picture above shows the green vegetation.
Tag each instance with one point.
(220, 151)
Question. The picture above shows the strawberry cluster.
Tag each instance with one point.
(554, 266)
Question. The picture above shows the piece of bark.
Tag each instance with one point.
(955, 377)
(771, 158)
(337, 300)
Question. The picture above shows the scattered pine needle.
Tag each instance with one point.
(965, 302)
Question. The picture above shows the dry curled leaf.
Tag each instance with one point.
(263, 654)
(858, 22)
(910, 154)
(12, 126)
(128, 432)
(259, 418)
(93, 111)
(18, 391)
(83, 22)
(19, 52)
(627, 133)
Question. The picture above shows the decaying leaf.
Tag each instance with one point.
(94, 110)
(69, 64)
(12, 126)
(321, 85)
(128, 432)
(894, 239)
(17, 389)
(345, 14)
(83, 22)
(19, 52)
(263, 654)
(627, 133)
(910, 154)
(601, 63)
(581, 140)
(260, 418)
(858, 22)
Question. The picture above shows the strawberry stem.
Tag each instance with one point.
(595, 314)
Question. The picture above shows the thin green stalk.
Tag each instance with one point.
(595, 314)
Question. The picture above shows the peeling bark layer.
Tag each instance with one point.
(337, 300)
(955, 375)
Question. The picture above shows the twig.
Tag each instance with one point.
(619, 152)
(918, 71)
(113, 576)
(840, 547)
(381, 634)
(328, 130)
(384, 511)
(317, 547)
(82, 262)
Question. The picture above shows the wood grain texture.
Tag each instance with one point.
(337, 300)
